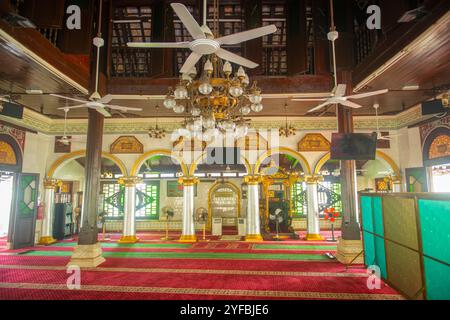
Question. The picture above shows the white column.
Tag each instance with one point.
(313, 218)
(253, 218)
(50, 186)
(129, 216)
(188, 233)
(397, 184)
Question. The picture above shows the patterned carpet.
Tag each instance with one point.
(153, 269)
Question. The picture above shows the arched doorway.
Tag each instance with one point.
(224, 199)
(436, 157)
(282, 170)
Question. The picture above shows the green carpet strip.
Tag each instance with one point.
(191, 255)
(131, 245)
(293, 247)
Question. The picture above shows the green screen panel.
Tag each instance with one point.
(400, 221)
(435, 228)
(369, 248)
(378, 216)
(403, 269)
(437, 278)
(366, 213)
(380, 253)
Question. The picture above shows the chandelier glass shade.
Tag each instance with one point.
(214, 102)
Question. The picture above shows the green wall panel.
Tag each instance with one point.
(437, 278)
(381, 256)
(366, 213)
(435, 228)
(369, 248)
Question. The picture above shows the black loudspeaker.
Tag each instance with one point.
(12, 110)
(433, 107)
(60, 221)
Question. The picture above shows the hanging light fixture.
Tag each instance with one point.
(287, 130)
(214, 101)
(156, 132)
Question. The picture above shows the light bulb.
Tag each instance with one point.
(178, 108)
(246, 80)
(257, 107)
(181, 93)
(236, 91)
(255, 98)
(208, 66)
(245, 110)
(209, 123)
(170, 102)
(227, 68)
(228, 125)
(241, 72)
(205, 88)
(196, 112)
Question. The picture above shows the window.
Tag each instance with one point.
(113, 199)
(274, 45)
(329, 196)
(300, 207)
(130, 24)
(150, 206)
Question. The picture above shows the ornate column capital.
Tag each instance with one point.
(253, 180)
(188, 181)
(396, 179)
(52, 183)
(129, 181)
(313, 179)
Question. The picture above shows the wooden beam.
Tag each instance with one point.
(320, 9)
(296, 36)
(253, 49)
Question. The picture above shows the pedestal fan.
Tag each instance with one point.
(202, 217)
(168, 212)
(278, 218)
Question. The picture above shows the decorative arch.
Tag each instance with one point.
(436, 148)
(194, 165)
(82, 153)
(282, 150)
(379, 155)
(213, 189)
(159, 152)
(12, 153)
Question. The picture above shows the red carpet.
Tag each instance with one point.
(31, 276)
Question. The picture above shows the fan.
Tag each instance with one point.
(278, 218)
(379, 134)
(95, 101)
(202, 217)
(204, 42)
(65, 140)
(168, 212)
(338, 95)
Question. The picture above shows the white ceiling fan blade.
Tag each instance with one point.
(158, 45)
(106, 99)
(231, 57)
(125, 109)
(68, 98)
(320, 106)
(368, 94)
(190, 63)
(350, 104)
(340, 90)
(310, 100)
(102, 111)
(188, 21)
(247, 35)
(73, 107)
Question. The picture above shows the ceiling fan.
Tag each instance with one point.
(65, 140)
(95, 101)
(380, 136)
(204, 42)
(338, 94)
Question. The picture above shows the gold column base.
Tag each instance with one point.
(188, 238)
(254, 238)
(87, 256)
(349, 251)
(45, 241)
(128, 239)
(314, 237)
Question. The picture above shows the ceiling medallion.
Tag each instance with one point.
(215, 102)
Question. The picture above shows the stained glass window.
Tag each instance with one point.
(151, 209)
(113, 195)
(329, 195)
(300, 208)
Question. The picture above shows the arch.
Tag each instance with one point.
(13, 146)
(379, 155)
(442, 135)
(159, 152)
(82, 153)
(213, 188)
(194, 165)
(282, 150)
